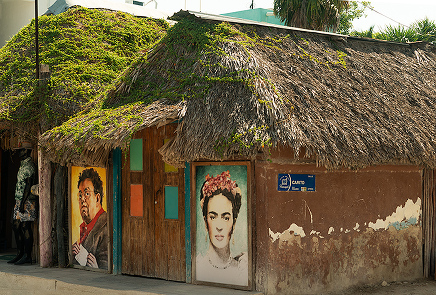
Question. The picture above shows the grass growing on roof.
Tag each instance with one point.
(86, 50)
(190, 60)
(187, 68)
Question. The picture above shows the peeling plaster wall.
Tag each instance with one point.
(358, 227)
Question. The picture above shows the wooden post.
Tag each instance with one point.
(188, 222)
(60, 192)
(45, 244)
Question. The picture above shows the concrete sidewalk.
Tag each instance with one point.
(33, 279)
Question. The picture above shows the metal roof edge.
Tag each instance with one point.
(232, 19)
(237, 20)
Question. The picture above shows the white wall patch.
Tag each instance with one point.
(401, 218)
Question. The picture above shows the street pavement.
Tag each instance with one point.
(34, 280)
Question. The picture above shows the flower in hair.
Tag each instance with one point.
(221, 181)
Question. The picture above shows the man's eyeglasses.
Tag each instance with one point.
(85, 196)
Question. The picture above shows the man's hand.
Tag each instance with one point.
(76, 248)
(92, 261)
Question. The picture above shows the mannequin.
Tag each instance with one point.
(25, 208)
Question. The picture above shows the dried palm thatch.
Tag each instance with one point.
(239, 89)
(88, 136)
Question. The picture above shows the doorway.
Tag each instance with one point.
(153, 232)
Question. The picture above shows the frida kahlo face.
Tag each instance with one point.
(219, 221)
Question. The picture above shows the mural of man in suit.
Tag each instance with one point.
(92, 247)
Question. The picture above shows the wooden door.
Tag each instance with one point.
(153, 237)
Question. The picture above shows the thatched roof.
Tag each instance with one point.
(240, 88)
(85, 50)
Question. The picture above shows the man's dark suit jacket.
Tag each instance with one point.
(97, 241)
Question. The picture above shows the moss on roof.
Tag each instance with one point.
(86, 49)
(239, 88)
(193, 61)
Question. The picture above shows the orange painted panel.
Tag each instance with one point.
(136, 200)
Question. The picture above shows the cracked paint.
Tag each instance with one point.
(356, 228)
(401, 218)
(297, 230)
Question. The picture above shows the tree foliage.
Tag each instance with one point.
(321, 15)
(355, 10)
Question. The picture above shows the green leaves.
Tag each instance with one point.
(85, 49)
(354, 11)
(421, 30)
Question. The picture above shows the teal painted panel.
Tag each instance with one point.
(117, 238)
(136, 155)
(171, 202)
(257, 14)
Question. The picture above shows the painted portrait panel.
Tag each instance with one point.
(221, 246)
(89, 220)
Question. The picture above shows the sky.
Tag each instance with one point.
(399, 11)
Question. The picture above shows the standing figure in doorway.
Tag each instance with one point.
(25, 211)
(92, 247)
(220, 201)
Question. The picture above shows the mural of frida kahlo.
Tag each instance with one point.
(220, 201)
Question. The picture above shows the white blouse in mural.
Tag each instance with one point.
(234, 273)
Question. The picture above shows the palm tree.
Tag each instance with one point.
(321, 15)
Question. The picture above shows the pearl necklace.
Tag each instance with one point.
(229, 261)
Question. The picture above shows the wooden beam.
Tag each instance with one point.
(45, 244)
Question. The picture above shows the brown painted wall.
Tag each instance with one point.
(335, 240)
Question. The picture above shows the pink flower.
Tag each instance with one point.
(221, 181)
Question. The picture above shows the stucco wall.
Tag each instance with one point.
(358, 227)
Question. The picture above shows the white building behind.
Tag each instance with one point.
(15, 14)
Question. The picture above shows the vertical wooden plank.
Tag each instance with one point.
(428, 216)
(45, 245)
(173, 250)
(132, 250)
(160, 225)
(181, 227)
(429, 222)
(425, 222)
(187, 222)
(176, 231)
(125, 217)
(117, 213)
(148, 180)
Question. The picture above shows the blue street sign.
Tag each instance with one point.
(296, 183)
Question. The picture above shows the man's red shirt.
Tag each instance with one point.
(85, 229)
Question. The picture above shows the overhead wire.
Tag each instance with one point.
(367, 5)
